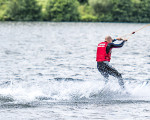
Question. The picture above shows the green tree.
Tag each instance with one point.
(83, 1)
(87, 13)
(62, 10)
(122, 10)
(3, 6)
(23, 10)
(102, 8)
(144, 11)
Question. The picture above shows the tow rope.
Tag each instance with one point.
(130, 34)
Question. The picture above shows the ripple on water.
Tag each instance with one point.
(53, 67)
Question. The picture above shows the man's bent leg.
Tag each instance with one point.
(120, 79)
(112, 71)
(102, 69)
(116, 74)
(105, 76)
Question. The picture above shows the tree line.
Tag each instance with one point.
(75, 10)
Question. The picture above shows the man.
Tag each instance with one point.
(103, 58)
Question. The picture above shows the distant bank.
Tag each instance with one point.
(75, 10)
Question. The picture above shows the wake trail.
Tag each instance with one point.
(57, 91)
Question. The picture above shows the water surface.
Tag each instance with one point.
(48, 71)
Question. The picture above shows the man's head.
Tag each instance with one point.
(108, 39)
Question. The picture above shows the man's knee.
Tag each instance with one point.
(119, 75)
(105, 74)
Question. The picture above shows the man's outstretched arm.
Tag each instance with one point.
(113, 45)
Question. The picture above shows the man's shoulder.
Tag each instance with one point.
(110, 44)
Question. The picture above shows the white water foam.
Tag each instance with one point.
(74, 90)
(139, 91)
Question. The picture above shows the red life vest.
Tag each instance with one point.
(101, 52)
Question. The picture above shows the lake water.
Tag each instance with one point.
(48, 72)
